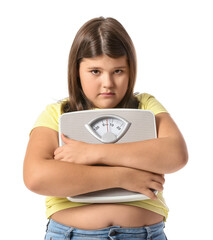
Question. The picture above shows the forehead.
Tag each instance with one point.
(104, 61)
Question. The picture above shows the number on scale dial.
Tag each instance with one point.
(109, 128)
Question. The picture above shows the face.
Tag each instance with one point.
(104, 80)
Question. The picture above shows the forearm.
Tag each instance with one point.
(162, 155)
(47, 176)
(165, 154)
(53, 177)
(62, 179)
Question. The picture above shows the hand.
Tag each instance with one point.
(142, 181)
(74, 151)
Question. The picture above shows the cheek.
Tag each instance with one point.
(84, 81)
(88, 87)
(124, 86)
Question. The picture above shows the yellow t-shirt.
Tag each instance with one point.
(50, 118)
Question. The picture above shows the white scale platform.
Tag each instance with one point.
(104, 126)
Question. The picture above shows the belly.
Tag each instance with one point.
(97, 216)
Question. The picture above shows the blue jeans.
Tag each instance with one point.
(57, 231)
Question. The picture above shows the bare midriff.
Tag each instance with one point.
(98, 216)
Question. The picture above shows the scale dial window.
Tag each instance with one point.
(109, 128)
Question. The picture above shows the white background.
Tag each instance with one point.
(174, 43)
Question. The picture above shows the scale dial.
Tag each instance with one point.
(108, 128)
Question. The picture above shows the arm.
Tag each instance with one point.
(47, 176)
(166, 154)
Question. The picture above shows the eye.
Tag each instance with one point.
(95, 72)
(118, 71)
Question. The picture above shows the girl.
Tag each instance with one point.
(102, 74)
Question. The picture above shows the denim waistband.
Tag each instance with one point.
(67, 231)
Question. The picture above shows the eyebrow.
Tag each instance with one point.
(119, 67)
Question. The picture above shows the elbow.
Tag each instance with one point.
(179, 156)
(179, 161)
(183, 156)
(32, 181)
(183, 159)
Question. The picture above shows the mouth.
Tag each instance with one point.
(107, 94)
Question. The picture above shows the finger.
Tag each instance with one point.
(158, 178)
(149, 193)
(65, 139)
(58, 157)
(156, 186)
(58, 150)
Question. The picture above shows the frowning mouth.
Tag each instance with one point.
(107, 94)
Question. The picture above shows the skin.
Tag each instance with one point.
(139, 155)
(70, 170)
(104, 80)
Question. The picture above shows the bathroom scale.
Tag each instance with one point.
(103, 126)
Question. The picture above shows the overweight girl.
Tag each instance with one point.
(102, 74)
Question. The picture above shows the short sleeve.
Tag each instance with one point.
(149, 102)
(49, 117)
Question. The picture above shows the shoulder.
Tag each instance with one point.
(149, 102)
(143, 97)
(49, 117)
(55, 109)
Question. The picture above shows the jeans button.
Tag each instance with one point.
(113, 233)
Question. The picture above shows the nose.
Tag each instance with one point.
(107, 81)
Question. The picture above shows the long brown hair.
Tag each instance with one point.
(99, 36)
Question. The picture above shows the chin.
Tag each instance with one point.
(112, 105)
(105, 106)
